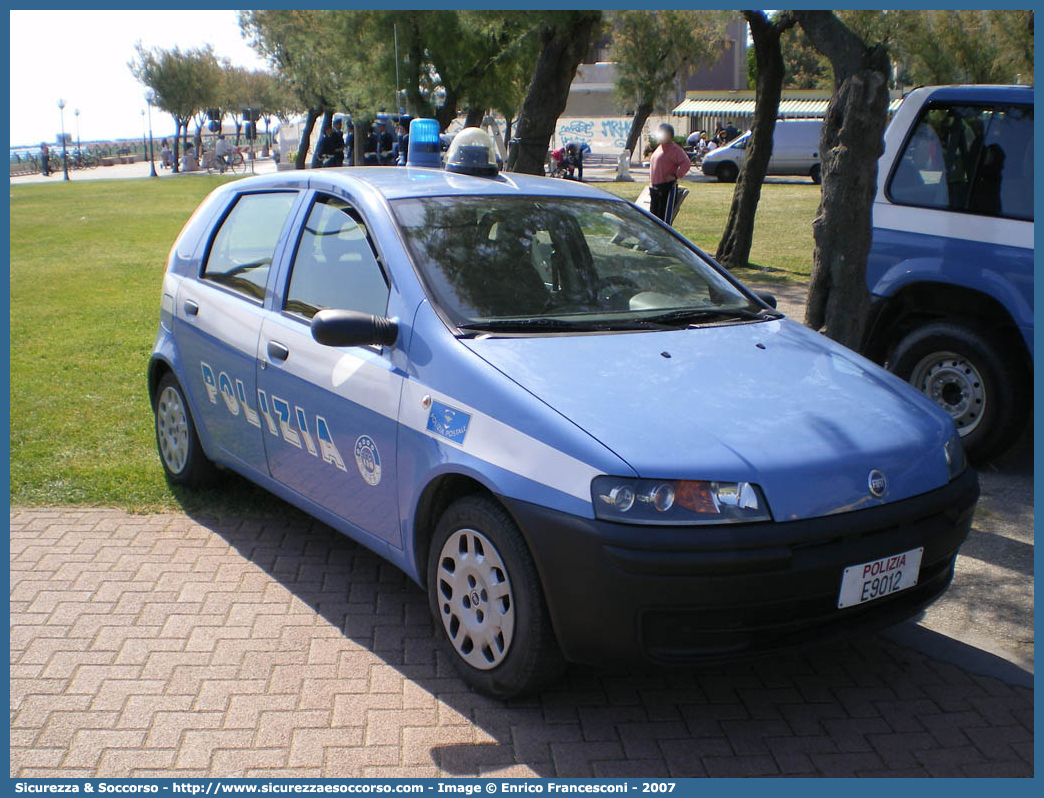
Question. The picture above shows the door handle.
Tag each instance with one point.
(277, 351)
(191, 308)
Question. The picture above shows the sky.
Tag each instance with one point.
(83, 60)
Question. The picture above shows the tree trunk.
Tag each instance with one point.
(474, 117)
(851, 142)
(564, 45)
(416, 105)
(317, 161)
(175, 168)
(634, 135)
(362, 130)
(306, 138)
(447, 112)
(734, 247)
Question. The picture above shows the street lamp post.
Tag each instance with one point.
(150, 95)
(76, 113)
(65, 157)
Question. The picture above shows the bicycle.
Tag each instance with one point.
(230, 162)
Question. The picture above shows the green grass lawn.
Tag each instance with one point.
(87, 260)
(782, 249)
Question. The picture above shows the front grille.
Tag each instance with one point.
(707, 634)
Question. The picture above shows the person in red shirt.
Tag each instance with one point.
(668, 164)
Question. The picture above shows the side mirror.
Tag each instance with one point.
(766, 297)
(352, 328)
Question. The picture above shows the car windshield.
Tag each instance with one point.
(547, 264)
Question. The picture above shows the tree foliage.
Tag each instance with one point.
(927, 47)
(329, 59)
(184, 81)
(653, 49)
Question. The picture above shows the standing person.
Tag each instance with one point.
(404, 141)
(730, 131)
(166, 156)
(385, 144)
(370, 146)
(45, 158)
(349, 144)
(575, 158)
(335, 144)
(668, 164)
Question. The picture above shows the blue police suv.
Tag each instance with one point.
(577, 433)
(951, 267)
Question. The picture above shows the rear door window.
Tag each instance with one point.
(969, 158)
(240, 256)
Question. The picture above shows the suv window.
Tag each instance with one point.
(335, 265)
(969, 158)
(240, 256)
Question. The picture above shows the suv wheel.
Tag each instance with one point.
(487, 601)
(971, 375)
(726, 172)
(179, 448)
(816, 174)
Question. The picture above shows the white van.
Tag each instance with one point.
(795, 151)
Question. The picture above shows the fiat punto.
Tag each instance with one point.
(578, 434)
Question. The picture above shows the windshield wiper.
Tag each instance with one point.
(540, 323)
(690, 315)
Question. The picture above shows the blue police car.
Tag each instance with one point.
(583, 438)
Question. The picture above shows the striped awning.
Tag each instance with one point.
(813, 109)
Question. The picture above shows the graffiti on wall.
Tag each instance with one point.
(601, 134)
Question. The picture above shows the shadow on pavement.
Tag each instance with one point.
(869, 706)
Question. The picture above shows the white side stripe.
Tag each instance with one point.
(503, 446)
(947, 224)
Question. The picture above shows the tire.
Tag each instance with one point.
(181, 454)
(499, 634)
(974, 376)
(727, 172)
(816, 173)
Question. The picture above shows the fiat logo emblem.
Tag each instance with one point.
(877, 483)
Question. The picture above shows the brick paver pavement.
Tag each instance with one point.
(161, 645)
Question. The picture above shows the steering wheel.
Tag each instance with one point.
(607, 296)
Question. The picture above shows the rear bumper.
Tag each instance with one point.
(628, 594)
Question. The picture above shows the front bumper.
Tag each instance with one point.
(626, 594)
(709, 168)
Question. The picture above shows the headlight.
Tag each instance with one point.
(677, 502)
(953, 450)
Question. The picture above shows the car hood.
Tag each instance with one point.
(767, 402)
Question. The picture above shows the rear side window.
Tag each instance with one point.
(335, 265)
(240, 256)
(969, 158)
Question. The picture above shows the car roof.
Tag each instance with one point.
(397, 182)
(982, 93)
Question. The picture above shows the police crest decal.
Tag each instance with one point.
(368, 460)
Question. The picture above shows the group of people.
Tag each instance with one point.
(701, 142)
(191, 161)
(570, 159)
(380, 148)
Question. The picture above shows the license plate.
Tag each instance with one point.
(879, 578)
